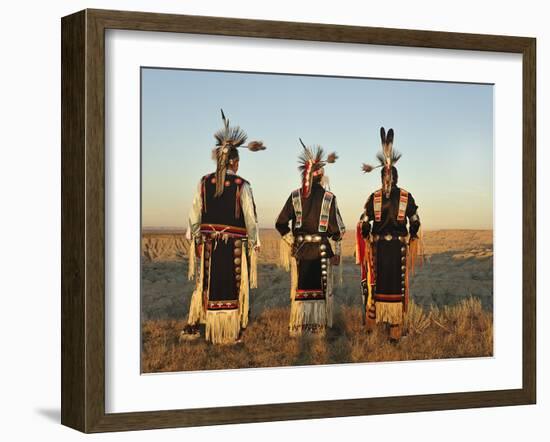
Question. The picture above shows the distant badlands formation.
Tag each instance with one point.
(171, 244)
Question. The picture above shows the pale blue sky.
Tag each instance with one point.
(443, 130)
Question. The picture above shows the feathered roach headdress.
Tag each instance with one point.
(311, 164)
(387, 158)
(228, 139)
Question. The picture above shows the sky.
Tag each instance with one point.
(443, 130)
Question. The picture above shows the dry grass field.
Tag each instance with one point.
(450, 315)
(464, 330)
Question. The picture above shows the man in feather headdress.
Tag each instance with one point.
(305, 246)
(224, 235)
(386, 250)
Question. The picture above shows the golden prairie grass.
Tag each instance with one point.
(459, 331)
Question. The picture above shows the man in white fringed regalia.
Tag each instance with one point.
(224, 234)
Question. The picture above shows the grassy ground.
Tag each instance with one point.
(462, 330)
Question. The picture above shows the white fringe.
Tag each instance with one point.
(329, 296)
(191, 271)
(337, 246)
(244, 290)
(196, 308)
(293, 278)
(307, 312)
(391, 312)
(285, 251)
(222, 327)
(253, 268)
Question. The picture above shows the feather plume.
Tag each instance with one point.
(332, 157)
(229, 136)
(387, 146)
(228, 139)
(255, 146)
(305, 156)
(313, 155)
(303, 160)
(233, 136)
(389, 137)
(388, 156)
(383, 135)
(310, 161)
(318, 154)
(367, 168)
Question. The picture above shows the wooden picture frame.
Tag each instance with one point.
(83, 220)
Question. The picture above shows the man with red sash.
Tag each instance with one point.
(386, 248)
(306, 248)
(224, 234)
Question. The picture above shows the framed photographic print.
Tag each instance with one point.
(270, 220)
